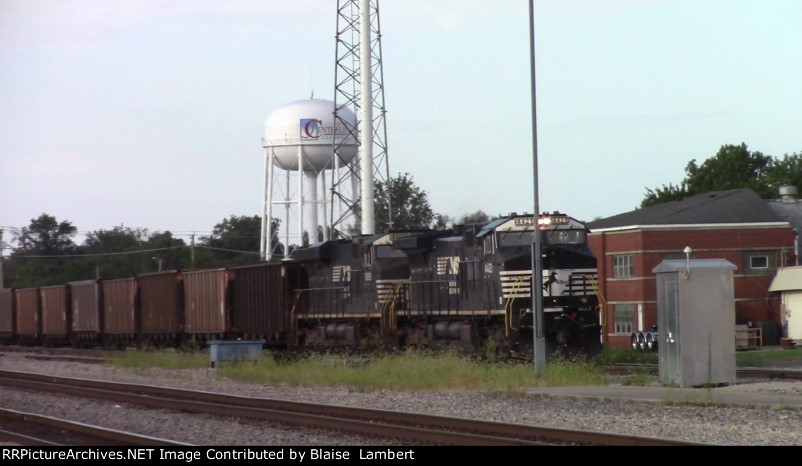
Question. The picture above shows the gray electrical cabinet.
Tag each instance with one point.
(696, 322)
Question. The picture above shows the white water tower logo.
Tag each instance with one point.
(310, 128)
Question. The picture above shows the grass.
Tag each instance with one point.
(415, 371)
(624, 356)
(641, 378)
(423, 371)
(765, 357)
(769, 357)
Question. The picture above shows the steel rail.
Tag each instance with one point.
(410, 427)
(743, 373)
(62, 426)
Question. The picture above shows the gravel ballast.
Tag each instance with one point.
(716, 424)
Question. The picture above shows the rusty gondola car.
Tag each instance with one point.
(160, 307)
(7, 316)
(28, 316)
(86, 307)
(56, 315)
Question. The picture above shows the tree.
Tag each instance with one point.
(233, 239)
(174, 253)
(442, 222)
(474, 218)
(410, 204)
(785, 172)
(45, 236)
(125, 251)
(732, 167)
(665, 194)
(105, 250)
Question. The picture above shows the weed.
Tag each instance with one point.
(768, 357)
(625, 356)
(639, 378)
(412, 370)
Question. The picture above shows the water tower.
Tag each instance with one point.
(299, 143)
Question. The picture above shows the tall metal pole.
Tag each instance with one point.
(358, 85)
(366, 129)
(538, 336)
(1, 259)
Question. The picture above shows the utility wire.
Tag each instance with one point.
(227, 250)
(96, 254)
(57, 256)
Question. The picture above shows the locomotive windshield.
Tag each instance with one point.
(526, 237)
(516, 238)
(564, 236)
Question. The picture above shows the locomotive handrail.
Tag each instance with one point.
(508, 307)
(321, 289)
(293, 319)
(602, 302)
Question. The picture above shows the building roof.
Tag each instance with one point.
(676, 265)
(733, 206)
(790, 211)
(787, 279)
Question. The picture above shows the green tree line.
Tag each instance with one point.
(733, 166)
(46, 252)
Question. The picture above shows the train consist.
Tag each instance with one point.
(468, 288)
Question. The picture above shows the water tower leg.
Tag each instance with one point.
(324, 203)
(311, 178)
(287, 214)
(300, 196)
(267, 210)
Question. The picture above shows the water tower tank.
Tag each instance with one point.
(309, 124)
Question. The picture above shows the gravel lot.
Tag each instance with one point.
(727, 425)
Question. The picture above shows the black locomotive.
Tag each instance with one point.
(468, 288)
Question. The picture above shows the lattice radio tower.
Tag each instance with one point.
(359, 86)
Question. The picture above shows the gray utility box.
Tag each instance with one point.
(696, 322)
(234, 350)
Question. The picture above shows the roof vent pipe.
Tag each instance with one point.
(788, 194)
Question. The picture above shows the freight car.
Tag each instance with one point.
(468, 288)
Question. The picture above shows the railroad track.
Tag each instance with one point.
(28, 429)
(407, 428)
(64, 352)
(745, 373)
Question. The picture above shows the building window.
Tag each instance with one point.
(622, 266)
(624, 318)
(672, 256)
(760, 263)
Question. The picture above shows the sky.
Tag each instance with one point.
(150, 113)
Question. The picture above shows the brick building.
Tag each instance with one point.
(735, 225)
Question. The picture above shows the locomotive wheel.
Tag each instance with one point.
(633, 341)
(651, 343)
(641, 341)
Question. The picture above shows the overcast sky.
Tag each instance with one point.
(150, 113)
